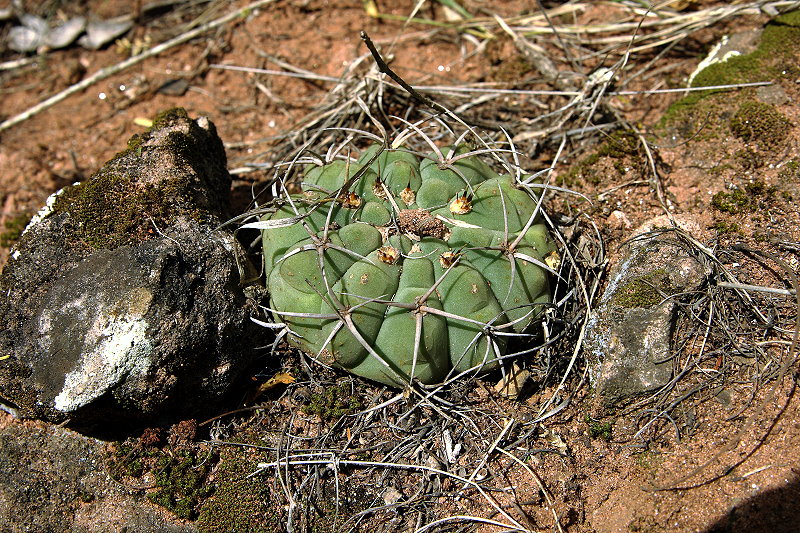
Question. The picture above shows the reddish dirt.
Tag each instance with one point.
(596, 485)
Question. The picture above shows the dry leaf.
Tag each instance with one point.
(281, 378)
(511, 384)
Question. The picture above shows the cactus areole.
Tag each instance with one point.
(420, 268)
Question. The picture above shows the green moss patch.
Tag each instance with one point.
(621, 148)
(111, 209)
(108, 211)
(167, 116)
(742, 200)
(180, 470)
(180, 481)
(13, 228)
(760, 122)
(241, 503)
(790, 173)
(727, 228)
(162, 119)
(732, 202)
(333, 403)
(599, 429)
(649, 460)
(644, 291)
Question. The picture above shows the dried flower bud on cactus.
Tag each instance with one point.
(448, 258)
(350, 200)
(379, 190)
(388, 254)
(417, 269)
(408, 196)
(461, 205)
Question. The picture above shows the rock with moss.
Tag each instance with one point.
(53, 479)
(746, 57)
(122, 299)
(628, 339)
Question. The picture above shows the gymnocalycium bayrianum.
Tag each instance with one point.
(400, 266)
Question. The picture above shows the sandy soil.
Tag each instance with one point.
(591, 484)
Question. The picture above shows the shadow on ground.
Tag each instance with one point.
(773, 511)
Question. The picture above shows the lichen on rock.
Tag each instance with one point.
(124, 299)
(628, 338)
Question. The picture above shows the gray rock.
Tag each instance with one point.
(52, 479)
(122, 300)
(99, 33)
(629, 336)
(729, 46)
(65, 34)
(29, 36)
(772, 94)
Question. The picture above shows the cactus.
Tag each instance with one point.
(397, 267)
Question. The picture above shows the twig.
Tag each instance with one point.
(383, 67)
(756, 288)
(694, 89)
(253, 70)
(16, 63)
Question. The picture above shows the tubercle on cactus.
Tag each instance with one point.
(439, 249)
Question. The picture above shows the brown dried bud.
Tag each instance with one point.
(448, 258)
(379, 189)
(553, 260)
(350, 200)
(388, 254)
(461, 205)
(408, 196)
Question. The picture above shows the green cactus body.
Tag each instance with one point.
(411, 271)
